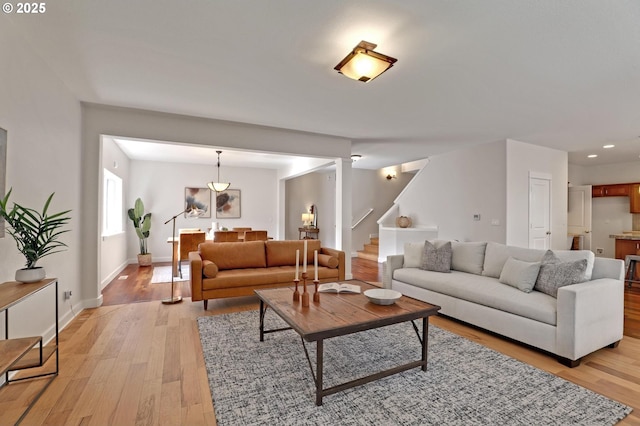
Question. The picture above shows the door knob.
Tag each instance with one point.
(548, 232)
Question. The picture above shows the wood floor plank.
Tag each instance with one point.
(149, 405)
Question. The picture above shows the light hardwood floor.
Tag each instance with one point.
(141, 363)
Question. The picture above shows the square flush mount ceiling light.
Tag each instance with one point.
(363, 64)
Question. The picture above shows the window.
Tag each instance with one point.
(112, 204)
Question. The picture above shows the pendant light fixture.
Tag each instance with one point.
(218, 186)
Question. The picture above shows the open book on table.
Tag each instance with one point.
(338, 288)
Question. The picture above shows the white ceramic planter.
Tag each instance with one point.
(30, 275)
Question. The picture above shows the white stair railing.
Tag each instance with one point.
(362, 218)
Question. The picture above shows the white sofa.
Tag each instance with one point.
(582, 319)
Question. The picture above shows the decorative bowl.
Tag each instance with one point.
(382, 296)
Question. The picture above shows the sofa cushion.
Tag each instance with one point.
(413, 252)
(436, 259)
(283, 252)
(255, 277)
(555, 274)
(209, 269)
(485, 291)
(520, 274)
(468, 256)
(328, 261)
(497, 254)
(234, 255)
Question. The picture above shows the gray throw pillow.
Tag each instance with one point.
(436, 259)
(413, 253)
(520, 274)
(555, 274)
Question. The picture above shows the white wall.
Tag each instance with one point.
(609, 215)
(161, 186)
(608, 173)
(456, 185)
(522, 159)
(113, 253)
(317, 188)
(371, 189)
(42, 119)
(577, 174)
(490, 180)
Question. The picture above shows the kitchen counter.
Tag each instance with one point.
(626, 236)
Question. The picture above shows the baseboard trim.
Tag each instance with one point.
(113, 274)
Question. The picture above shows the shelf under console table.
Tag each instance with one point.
(25, 352)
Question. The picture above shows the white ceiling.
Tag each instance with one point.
(562, 74)
(138, 149)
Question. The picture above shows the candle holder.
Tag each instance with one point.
(316, 295)
(305, 293)
(296, 294)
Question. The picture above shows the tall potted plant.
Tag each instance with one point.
(36, 235)
(142, 225)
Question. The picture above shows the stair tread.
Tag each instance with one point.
(371, 246)
(369, 256)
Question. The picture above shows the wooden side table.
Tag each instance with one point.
(25, 353)
(308, 233)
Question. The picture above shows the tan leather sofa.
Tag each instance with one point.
(221, 270)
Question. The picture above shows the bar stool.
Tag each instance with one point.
(630, 262)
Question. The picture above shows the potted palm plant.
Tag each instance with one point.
(142, 225)
(36, 235)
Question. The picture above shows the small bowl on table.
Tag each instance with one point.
(382, 296)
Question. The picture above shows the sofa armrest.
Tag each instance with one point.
(393, 262)
(590, 316)
(341, 260)
(195, 275)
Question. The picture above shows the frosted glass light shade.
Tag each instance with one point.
(218, 186)
(364, 67)
(363, 64)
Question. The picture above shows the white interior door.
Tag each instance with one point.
(539, 212)
(579, 214)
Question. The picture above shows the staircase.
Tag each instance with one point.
(370, 251)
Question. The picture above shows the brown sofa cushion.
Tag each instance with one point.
(328, 261)
(283, 253)
(257, 277)
(234, 255)
(209, 269)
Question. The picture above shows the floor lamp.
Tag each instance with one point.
(173, 299)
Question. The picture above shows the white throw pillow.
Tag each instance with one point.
(496, 255)
(520, 274)
(468, 256)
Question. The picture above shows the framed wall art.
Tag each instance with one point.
(197, 202)
(228, 204)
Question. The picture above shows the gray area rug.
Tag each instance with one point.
(259, 383)
(162, 274)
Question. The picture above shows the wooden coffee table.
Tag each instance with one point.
(339, 315)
